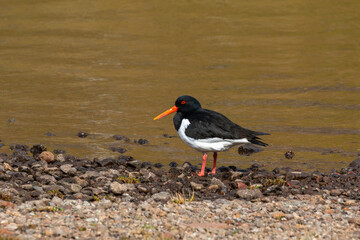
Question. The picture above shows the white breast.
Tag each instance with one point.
(208, 144)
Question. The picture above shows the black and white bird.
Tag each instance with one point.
(208, 131)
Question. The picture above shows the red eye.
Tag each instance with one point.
(183, 102)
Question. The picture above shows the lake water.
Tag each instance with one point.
(289, 68)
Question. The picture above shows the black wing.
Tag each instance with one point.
(209, 124)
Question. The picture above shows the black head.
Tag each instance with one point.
(187, 104)
(184, 104)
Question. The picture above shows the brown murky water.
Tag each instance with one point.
(290, 68)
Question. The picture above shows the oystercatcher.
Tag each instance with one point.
(208, 131)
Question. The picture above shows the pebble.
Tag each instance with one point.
(82, 134)
(12, 227)
(60, 158)
(249, 194)
(66, 168)
(75, 188)
(47, 156)
(196, 186)
(161, 196)
(335, 192)
(118, 188)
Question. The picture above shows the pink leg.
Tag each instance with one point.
(202, 172)
(214, 165)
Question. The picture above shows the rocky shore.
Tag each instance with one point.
(62, 196)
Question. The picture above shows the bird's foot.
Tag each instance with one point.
(200, 173)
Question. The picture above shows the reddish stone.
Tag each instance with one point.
(6, 204)
(6, 232)
(242, 185)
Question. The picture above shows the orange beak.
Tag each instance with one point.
(167, 112)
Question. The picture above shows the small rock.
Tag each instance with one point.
(350, 203)
(75, 188)
(66, 168)
(27, 186)
(81, 182)
(213, 187)
(354, 221)
(278, 215)
(105, 203)
(161, 196)
(355, 163)
(59, 151)
(158, 165)
(146, 165)
(37, 149)
(236, 175)
(57, 201)
(120, 137)
(11, 120)
(118, 188)
(118, 149)
(82, 134)
(329, 211)
(241, 185)
(46, 179)
(276, 170)
(47, 156)
(60, 158)
(142, 141)
(196, 186)
(289, 154)
(335, 192)
(6, 204)
(8, 167)
(173, 164)
(134, 174)
(4, 233)
(148, 177)
(11, 227)
(248, 149)
(48, 232)
(20, 147)
(215, 181)
(143, 189)
(249, 194)
(78, 195)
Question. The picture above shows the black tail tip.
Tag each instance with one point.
(258, 142)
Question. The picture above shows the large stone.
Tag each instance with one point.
(118, 188)
(47, 156)
(68, 169)
(149, 177)
(355, 163)
(215, 181)
(249, 194)
(46, 179)
(161, 196)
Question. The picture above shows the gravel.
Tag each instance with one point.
(295, 217)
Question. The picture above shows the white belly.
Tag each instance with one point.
(209, 144)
